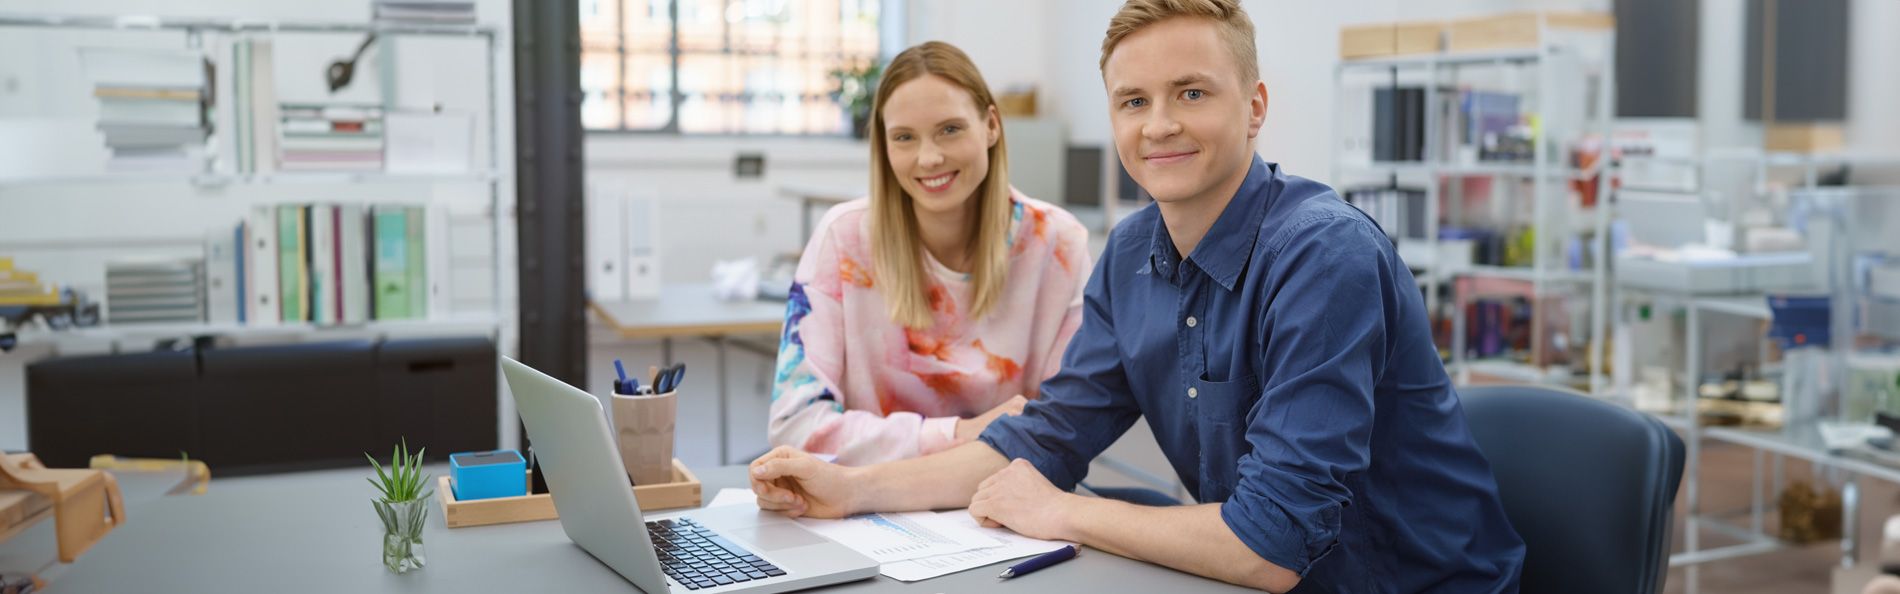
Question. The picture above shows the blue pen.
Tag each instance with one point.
(623, 385)
(1039, 562)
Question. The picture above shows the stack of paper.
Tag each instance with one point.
(426, 12)
(155, 290)
(22, 287)
(916, 545)
(331, 137)
(151, 106)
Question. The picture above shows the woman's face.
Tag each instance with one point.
(938, 143)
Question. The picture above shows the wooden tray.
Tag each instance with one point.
(682, 492)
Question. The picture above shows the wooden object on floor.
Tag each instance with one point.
(197, 476)
(19, 509)
(1521, 30)
(86, 503)
(1390, 39)
(682, 492)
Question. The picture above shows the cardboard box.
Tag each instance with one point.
(1390, 39)
(1522, 30)
(1810, 137)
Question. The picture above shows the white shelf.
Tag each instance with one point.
(278, 178)
(1520, 372)
(1449, 170)
(1750, 306)
(1524, 273)
(155, 331)
(1498, 57)
(154, 23)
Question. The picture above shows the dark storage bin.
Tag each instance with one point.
(131, 405)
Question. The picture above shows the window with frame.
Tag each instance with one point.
(721, 66)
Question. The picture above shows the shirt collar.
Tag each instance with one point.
(1224, 252)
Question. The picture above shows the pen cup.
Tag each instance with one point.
(643, 427)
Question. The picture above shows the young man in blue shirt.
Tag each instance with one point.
(1271, 337)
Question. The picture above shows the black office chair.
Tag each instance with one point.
(1590, 486)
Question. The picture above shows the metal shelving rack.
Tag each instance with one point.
(197, 34)
(1544, 170)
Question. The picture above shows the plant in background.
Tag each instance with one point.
(857, 86)
(404, 507)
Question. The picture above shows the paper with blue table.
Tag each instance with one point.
(916, 546)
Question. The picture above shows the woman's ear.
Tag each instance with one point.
(995, 124)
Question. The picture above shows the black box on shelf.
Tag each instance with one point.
(266, 409)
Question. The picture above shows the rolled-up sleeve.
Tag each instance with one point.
(1083, 408)
(1333, 295)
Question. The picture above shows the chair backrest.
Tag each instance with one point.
(1589, 486)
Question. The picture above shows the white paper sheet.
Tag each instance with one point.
(727, 497)
(1014, 546)
(888, 538)
(938, 544)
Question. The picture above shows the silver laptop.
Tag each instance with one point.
(714, 550)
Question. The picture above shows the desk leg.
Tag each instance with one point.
(1850, 521)
(719, 350)
(1755, 496)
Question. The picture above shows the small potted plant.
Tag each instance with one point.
(403, 507)
(856, 86)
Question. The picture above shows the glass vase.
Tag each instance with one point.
(402, 533)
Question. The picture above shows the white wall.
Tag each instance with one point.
(1873, 79)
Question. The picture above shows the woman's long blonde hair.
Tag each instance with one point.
(897, 250)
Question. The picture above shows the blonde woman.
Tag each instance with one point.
(939, 303)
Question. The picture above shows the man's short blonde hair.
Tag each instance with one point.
(1230, 22)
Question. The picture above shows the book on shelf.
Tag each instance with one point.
(322, 264)
(257, 118)
(391, 264)
(320, 225)
(418, 263)
(293, 274)
(354, 277)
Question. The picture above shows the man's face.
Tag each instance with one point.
(1184, 121)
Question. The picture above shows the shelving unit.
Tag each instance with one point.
(1546, 173)
(1800, 437)
(221, 185)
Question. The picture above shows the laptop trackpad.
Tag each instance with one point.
(776, 537)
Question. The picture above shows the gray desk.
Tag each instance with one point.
(691, 311)
(826, 196)
(315, 532)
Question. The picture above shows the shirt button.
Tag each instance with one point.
(1191, 322)
(1193, 392)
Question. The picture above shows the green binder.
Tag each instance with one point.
(391, 268)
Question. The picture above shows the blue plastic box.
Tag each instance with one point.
(487, 475)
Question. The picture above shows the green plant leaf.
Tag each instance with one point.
(384, 486)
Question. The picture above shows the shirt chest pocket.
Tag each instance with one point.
(1221, 411)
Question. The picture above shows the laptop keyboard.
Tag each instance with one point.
(699, 558)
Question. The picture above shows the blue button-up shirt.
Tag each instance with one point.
(1288, 371)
